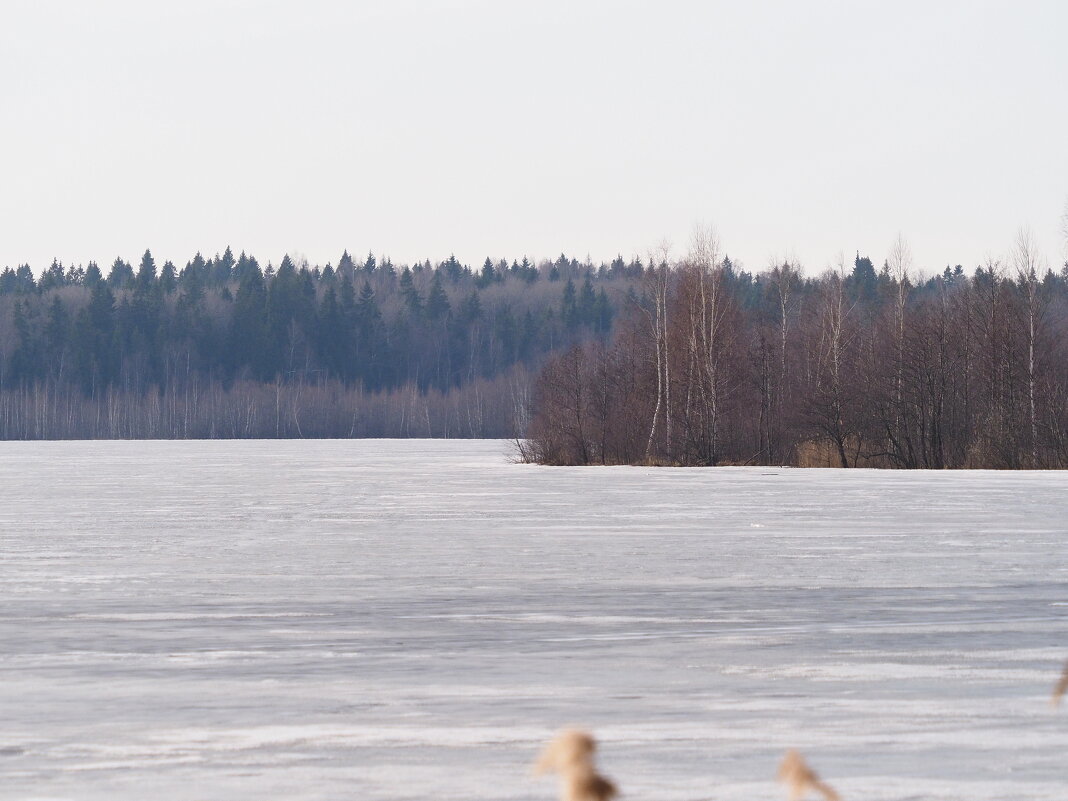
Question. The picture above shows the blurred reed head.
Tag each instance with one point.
(586, 784)
(570, 754)
(800, 779)
(1060, 687)
(569, 749)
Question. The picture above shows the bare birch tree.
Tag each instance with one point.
(706, 327)
(784, 278)
(834, 339)
(658, 320)
(1028, 262)
(900, 262)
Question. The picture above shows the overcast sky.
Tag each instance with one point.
(420, 129)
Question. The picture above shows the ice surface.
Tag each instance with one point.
(411, 619)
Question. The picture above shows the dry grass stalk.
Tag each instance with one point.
(570, 754)
(1061, 687)
(799, 778)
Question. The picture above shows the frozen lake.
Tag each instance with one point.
(412, 619)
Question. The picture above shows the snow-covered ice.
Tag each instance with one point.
(412, 619)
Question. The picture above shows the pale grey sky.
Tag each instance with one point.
(495, 128)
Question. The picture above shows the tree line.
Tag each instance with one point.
(856, 367)
(224, 347)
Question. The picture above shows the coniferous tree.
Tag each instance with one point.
(587, 303)
(168, 278)
(75, 275)
(437, 302)
(222, 268)
(471, 307)
(487, 276)
(334, 336)
(56, 336)
(93, 275)
(146, 272)
(603, 313)
(569, 311)
(410, 294)
(27, 356)
(191, 283)
(346, 268)
(53, 277)
(248, 325)
(94, 340)
(121, 274)
(24, 280)
(454, 271)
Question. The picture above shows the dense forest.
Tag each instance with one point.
(226, 348)
(860, 366)
(693, 361)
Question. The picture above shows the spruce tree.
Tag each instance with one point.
(121, 275)
(437, 302)
(603, 313)
(487, 276)
(53, 277)
(146, 272)
(222, 268)
(346, 268)
(410, 293)
(569, 312)
(93, 275)
(248, 325)
(168, 278)
(24, 280)
(8, 281)
(587, 304)
(56, 333)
